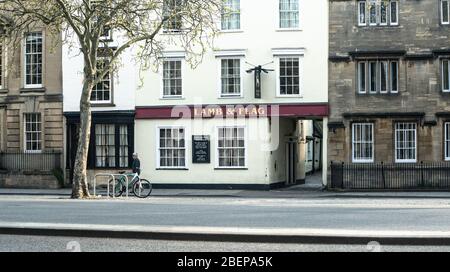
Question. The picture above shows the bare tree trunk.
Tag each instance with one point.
(80, 183)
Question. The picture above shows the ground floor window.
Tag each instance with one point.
(33, 132)
(406, 142)
(171, 148)
(447, 141)
(111, 144)
(231, 147)
(107, 145)
(362, 142)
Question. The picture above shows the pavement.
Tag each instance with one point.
(297, 191)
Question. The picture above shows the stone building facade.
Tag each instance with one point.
(389, 81)
(31, 120)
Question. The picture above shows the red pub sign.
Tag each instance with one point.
(231, 111)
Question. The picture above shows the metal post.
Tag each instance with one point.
(421, 175)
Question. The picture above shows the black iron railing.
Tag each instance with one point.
(390, 176)
(20, 161)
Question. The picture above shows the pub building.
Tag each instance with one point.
(252, 114)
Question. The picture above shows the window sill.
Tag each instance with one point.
(289, 96)
(173, 32)
(231, 97)
(33, 90)
(405, 162)
(231, 31)
(363, 162)
(172, 169)
(378, 94)
(3, 91)
(231, 168)
(172, 98)
(288, 30)
(100, 105)
(378, 26)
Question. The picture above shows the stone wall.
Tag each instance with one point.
(28, 180)
(429, 140)
(419, 28)
(16, 100)
(419, 43)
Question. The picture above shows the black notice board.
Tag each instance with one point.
(201, 149)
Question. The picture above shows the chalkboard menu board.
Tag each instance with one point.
(201, 149)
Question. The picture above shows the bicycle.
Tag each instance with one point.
(141, 188)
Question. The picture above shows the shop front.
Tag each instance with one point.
(111, 144)
(223, 147)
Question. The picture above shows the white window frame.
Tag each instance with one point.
(111, 87)
(368, 77)
(278, 18)
(360, 3)
(396, 13)
(240, 20)
(2, 65)
(224, 56)
(25, 133)
(397, 160)
(443, 75)
(388, 10)
(162, 96)
(158, 148)
(442, 12)
(24, 62)
(288, 53)
(362, 63)
(386, 64)
(108, 37)
(245, 147)
(390, 81)
(371, 143)
(367, 11)
(446, 140)
(167, 30)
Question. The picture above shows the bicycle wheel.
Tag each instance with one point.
(117, 185)
(142, 188)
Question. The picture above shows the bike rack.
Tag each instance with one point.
(113, 176)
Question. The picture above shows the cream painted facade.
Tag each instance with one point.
(254, 172)
(259, 41)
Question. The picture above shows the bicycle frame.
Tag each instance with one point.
(135, 178)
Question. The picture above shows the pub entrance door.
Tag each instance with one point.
(291, 161)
